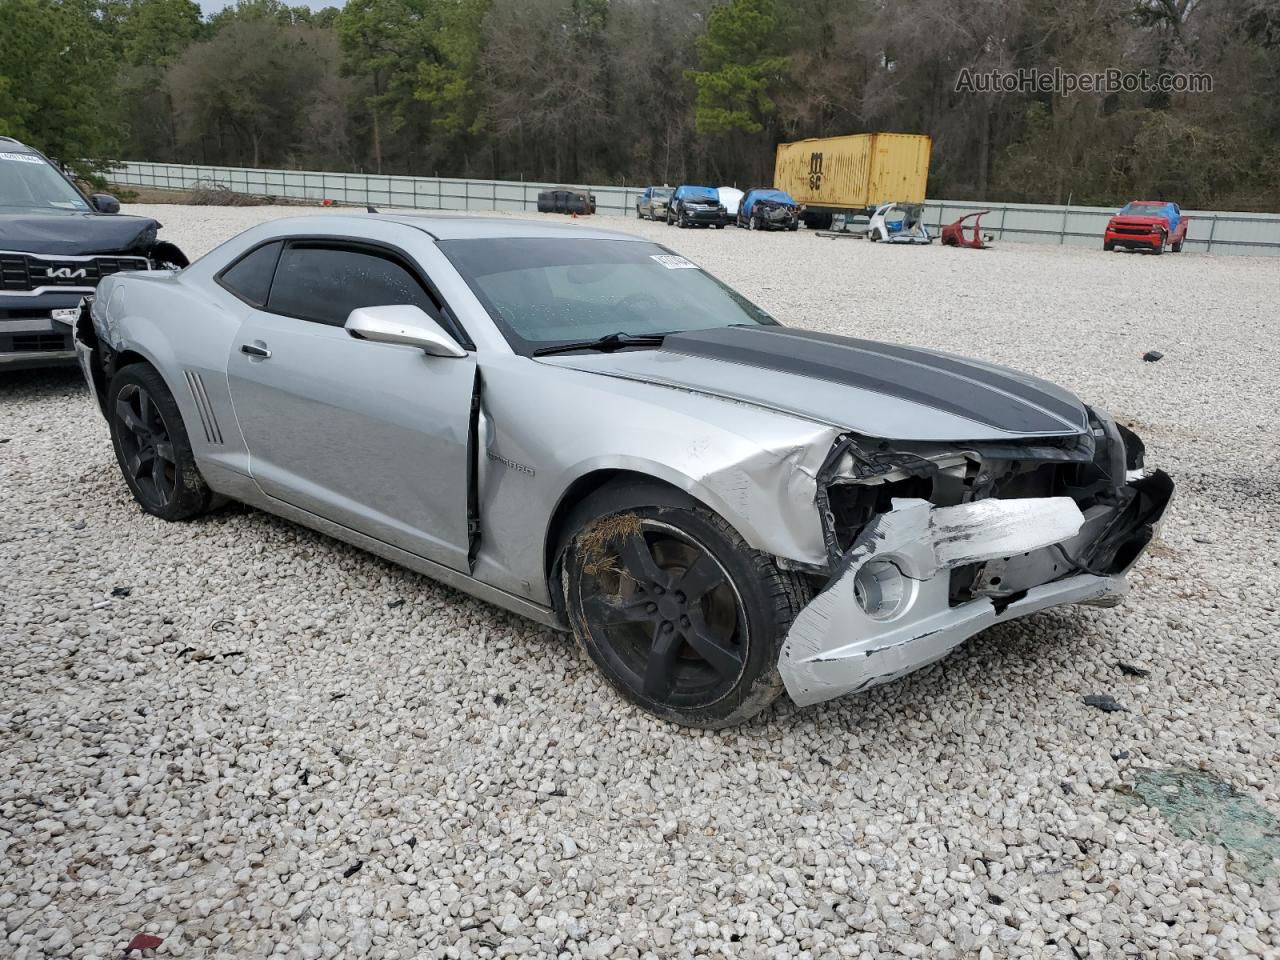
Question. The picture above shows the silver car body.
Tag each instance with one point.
(377, 444)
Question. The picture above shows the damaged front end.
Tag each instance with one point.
(932, 543)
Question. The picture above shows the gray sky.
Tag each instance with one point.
(212, 6)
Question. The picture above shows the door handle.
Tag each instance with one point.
(255, 350)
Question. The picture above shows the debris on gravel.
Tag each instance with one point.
(1129, 670)
(1104, 702)
(217, 788)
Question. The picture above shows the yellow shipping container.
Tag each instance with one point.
(853, 173)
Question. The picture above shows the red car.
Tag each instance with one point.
(1147, 225)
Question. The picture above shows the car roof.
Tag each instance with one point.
(10, 145)
(454, 228)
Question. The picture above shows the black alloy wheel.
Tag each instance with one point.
(152, 446)
(147, 455)
(679, 614)
(673, 620)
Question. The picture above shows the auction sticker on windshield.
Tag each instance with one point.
(21, 157)
(672, 262)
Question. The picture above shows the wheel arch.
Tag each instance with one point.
(599, 477)
(129, 353)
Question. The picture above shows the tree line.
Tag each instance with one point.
(664, 91)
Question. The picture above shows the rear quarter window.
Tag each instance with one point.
(249, 278)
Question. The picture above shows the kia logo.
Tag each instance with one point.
(67, 273)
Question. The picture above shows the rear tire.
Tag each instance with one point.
(152, 446)
(1177, 247)
(679, 614)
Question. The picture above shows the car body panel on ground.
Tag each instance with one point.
(844, 465)
(1147, 225)
(966, 231)
(899, 223)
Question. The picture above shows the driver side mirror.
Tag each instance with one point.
(404, 324)
(105, 203)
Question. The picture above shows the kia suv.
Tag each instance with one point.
(56, 243)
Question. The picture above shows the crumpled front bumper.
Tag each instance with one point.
(1032, 549)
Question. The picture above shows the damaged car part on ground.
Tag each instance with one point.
(784, 510)
(55, 245)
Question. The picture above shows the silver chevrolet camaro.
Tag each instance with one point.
(587, 429)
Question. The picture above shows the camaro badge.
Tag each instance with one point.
(509, 463)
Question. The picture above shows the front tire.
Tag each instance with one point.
(1164, 239)
(152, 447)
(1107, 246)
(679, 614)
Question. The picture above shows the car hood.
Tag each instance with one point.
(76, 234)
(874, 389)
(1132, 220)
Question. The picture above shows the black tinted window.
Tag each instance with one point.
(325, 284)
(249, 278)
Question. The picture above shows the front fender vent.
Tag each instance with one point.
(212, 432)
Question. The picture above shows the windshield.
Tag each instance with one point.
(701, 195)
(546, 291)
(1145, 209)
(27, 182)
(662, 193)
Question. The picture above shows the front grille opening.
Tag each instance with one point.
(854, 505)
(34, 342)
(1044, 480)
(22, 272)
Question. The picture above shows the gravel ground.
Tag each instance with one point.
(276, 744)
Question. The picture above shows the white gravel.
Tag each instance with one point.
(209, 758)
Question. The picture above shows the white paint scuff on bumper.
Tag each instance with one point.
(835, 647)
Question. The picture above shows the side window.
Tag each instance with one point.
(249, 278)
(325, 283)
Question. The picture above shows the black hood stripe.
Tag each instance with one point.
(1000, 399)
(1056, 402)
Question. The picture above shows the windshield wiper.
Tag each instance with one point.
(606, 344)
